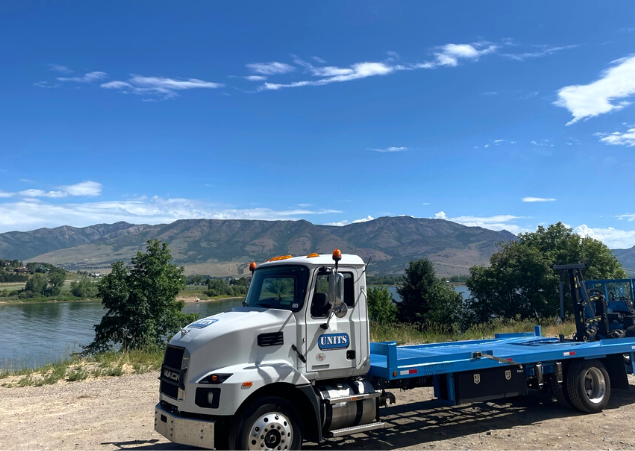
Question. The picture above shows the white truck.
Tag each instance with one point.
(286, 367)
(296, 362)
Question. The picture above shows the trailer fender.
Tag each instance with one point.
(616, 368)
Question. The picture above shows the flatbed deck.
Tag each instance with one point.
(393, 362)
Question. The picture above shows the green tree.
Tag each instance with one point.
(36, 284)
(56, 281)
(140, 301)
(83, 288)
(425, 298)
(381, 306)
(521, 282)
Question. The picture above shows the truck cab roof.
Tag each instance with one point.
(314, 260)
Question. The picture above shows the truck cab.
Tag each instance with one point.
(286, 366)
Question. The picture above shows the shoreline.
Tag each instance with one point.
(186, 299)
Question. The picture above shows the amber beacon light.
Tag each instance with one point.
(252, 266)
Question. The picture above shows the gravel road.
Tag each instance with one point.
(118, 413)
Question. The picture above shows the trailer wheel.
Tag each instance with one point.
(588, 385)
(270, 423)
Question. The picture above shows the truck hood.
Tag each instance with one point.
(231, 338)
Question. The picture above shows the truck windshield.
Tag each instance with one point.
(281, 287)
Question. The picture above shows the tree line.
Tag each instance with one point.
(519, 282)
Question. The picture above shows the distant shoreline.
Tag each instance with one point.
(186, 299)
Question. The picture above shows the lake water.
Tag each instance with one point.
(34, 334)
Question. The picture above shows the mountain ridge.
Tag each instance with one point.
(225, 247)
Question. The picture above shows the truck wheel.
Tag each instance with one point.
(270, 423)
(588, 385)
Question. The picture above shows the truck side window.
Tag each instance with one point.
(320, 306)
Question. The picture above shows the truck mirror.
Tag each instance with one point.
(336, 293)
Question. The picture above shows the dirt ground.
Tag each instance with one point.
(118, 413)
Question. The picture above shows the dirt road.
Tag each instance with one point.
(117, 413)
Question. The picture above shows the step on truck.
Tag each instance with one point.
(296, 363)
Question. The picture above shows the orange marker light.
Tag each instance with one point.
(252, 266)
(214, 378)
(314, 254)
(337, 255)
(247, 384)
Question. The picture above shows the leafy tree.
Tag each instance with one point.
(381, 306)
(36, 284)
(83, 288)
(140, 301)
(425, 298)
(56, 281)
(521, 282)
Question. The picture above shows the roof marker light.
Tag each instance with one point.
(314, 254)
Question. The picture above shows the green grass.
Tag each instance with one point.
(431, 333)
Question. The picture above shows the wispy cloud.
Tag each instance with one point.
(45, 84)
(626, 138)
(255, 77)
(272, 68)
(542, 51)
(538, 199)
(366, 219)
(447, 55)
(598, 97)
(26, 214)
(389, 149)
(159, 86)
(60, 69)
(87, 188)
(496, 222)
(86, 78)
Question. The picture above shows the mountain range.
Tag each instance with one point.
(225, 247)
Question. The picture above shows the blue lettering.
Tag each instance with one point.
(333, 341)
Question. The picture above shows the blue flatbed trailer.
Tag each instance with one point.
(533, 358)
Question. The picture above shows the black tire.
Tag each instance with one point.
(559, 392)
(588, 385)
(275, 419)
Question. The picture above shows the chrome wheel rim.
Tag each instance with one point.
(594, 385)
(271, 431)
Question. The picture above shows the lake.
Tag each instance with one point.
(38, 333)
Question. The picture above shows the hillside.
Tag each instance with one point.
(224, 247)
(627, 258)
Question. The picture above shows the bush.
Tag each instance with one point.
(381, 306)
(83, 288)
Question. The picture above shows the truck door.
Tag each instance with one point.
(331, 352)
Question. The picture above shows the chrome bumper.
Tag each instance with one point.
(185, 431)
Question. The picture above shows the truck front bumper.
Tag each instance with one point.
(185, 431)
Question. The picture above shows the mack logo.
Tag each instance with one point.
(174, 375)
(333, 341)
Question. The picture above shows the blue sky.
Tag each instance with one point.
(505, 115)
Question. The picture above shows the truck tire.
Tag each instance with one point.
(588, 385)
(559, 391)
(270, 423)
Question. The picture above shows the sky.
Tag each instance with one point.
(504, 115)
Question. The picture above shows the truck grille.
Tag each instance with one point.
(173, 357)
(171, 371)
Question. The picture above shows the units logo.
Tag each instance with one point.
(203, 323)
(333, 341)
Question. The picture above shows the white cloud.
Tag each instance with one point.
(389, 149)
(627, 216)
(538, 199)
(619, 139)
(87, 78)
(319, 60)
(26, 214)
(272, 68)
(426, 203)
(598, 97)
(159, 86)
(440, 215)
(45, 84)
(496, 222)
(41, 193)
(447, 55)
(255, 77)
(545, 51)
(87, 188)
(59, 68)
(613, 238)
(366, 219)
(338, 224)
(6, 194)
